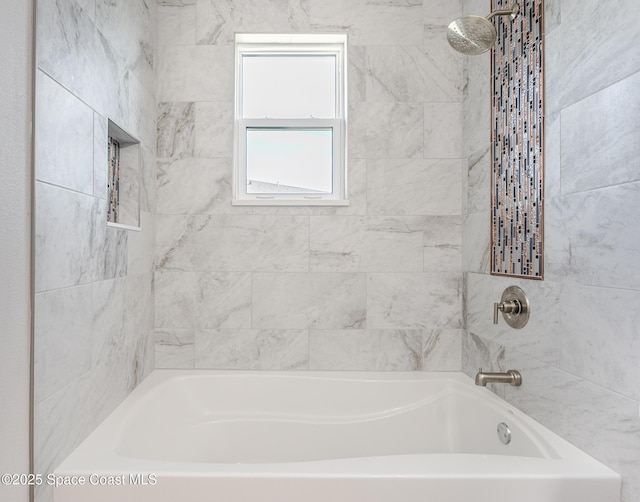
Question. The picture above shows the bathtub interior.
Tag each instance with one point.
(242, 418)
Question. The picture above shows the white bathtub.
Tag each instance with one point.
(195, 436)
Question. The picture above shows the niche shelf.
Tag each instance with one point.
(123, 178)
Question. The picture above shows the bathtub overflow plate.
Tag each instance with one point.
(504, 433)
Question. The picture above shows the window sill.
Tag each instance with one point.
(289, 202)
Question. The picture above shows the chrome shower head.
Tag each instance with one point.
(473, 35)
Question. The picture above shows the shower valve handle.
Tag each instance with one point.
(508, 307)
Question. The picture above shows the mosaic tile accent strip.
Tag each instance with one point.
(113, 180)
(517, 188)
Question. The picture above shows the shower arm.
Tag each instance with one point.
(513, 12)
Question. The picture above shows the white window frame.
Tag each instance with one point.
(292, 44)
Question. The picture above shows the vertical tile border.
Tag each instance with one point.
(517, 187)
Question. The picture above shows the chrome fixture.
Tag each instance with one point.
(473, 35)
(514, 306)
(504, 433)
(512, 377)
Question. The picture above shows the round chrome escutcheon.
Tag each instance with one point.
(504, 433)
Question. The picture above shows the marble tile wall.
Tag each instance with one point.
(580, 353)
(376, 285)
(94, 285)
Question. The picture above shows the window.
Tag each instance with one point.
(290, 120)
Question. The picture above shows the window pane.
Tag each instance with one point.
(289, 160)
(289, 86)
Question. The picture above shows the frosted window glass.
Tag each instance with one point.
(289, 161)
(289, 86)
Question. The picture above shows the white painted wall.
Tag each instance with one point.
(15, 189)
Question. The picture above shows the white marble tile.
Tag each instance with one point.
(357, 73)
(141, 246)
(62, 338)
(100, 161)
(477, 104)
(73, 243)
(65, 44)
(129, 25)
(176, 24)
(148, 179)
(175, 242)
(64, 245)
(386, 130)
(365, 350)
(477, 181)
(110, 248)
(176, 121)
(424, 300)
(552, 15)
(61, 422)
(213, 131)
(371, 22)
(437, 14)
(578, 64)
(366, 244)
(250, 349)
(174, 348)
(552, 159)
(195, 73)
(218, 20)
(442, 350)
(123, 320)
(64, 137)
(599, 138)
(252, 243)
(600, 336)
(414, 187)
(190, 300)
(477, 7)
(139, 306)
(435, 32)
(106, 88)
(145, 357)
(441, 11)
(108, 323)
(476, 232)
(443, 130)
(442, 244)
(72, 51)
(308, 301)
(588, 239)
(413, 74)
(141, 112)
(176, 3)
(356, 188)
(89, 7)
(193, 186)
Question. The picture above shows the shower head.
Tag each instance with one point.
(473, 35)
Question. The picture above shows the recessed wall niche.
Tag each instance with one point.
(517, 185)
(123, 179)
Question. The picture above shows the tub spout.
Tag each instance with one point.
(512, 377)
